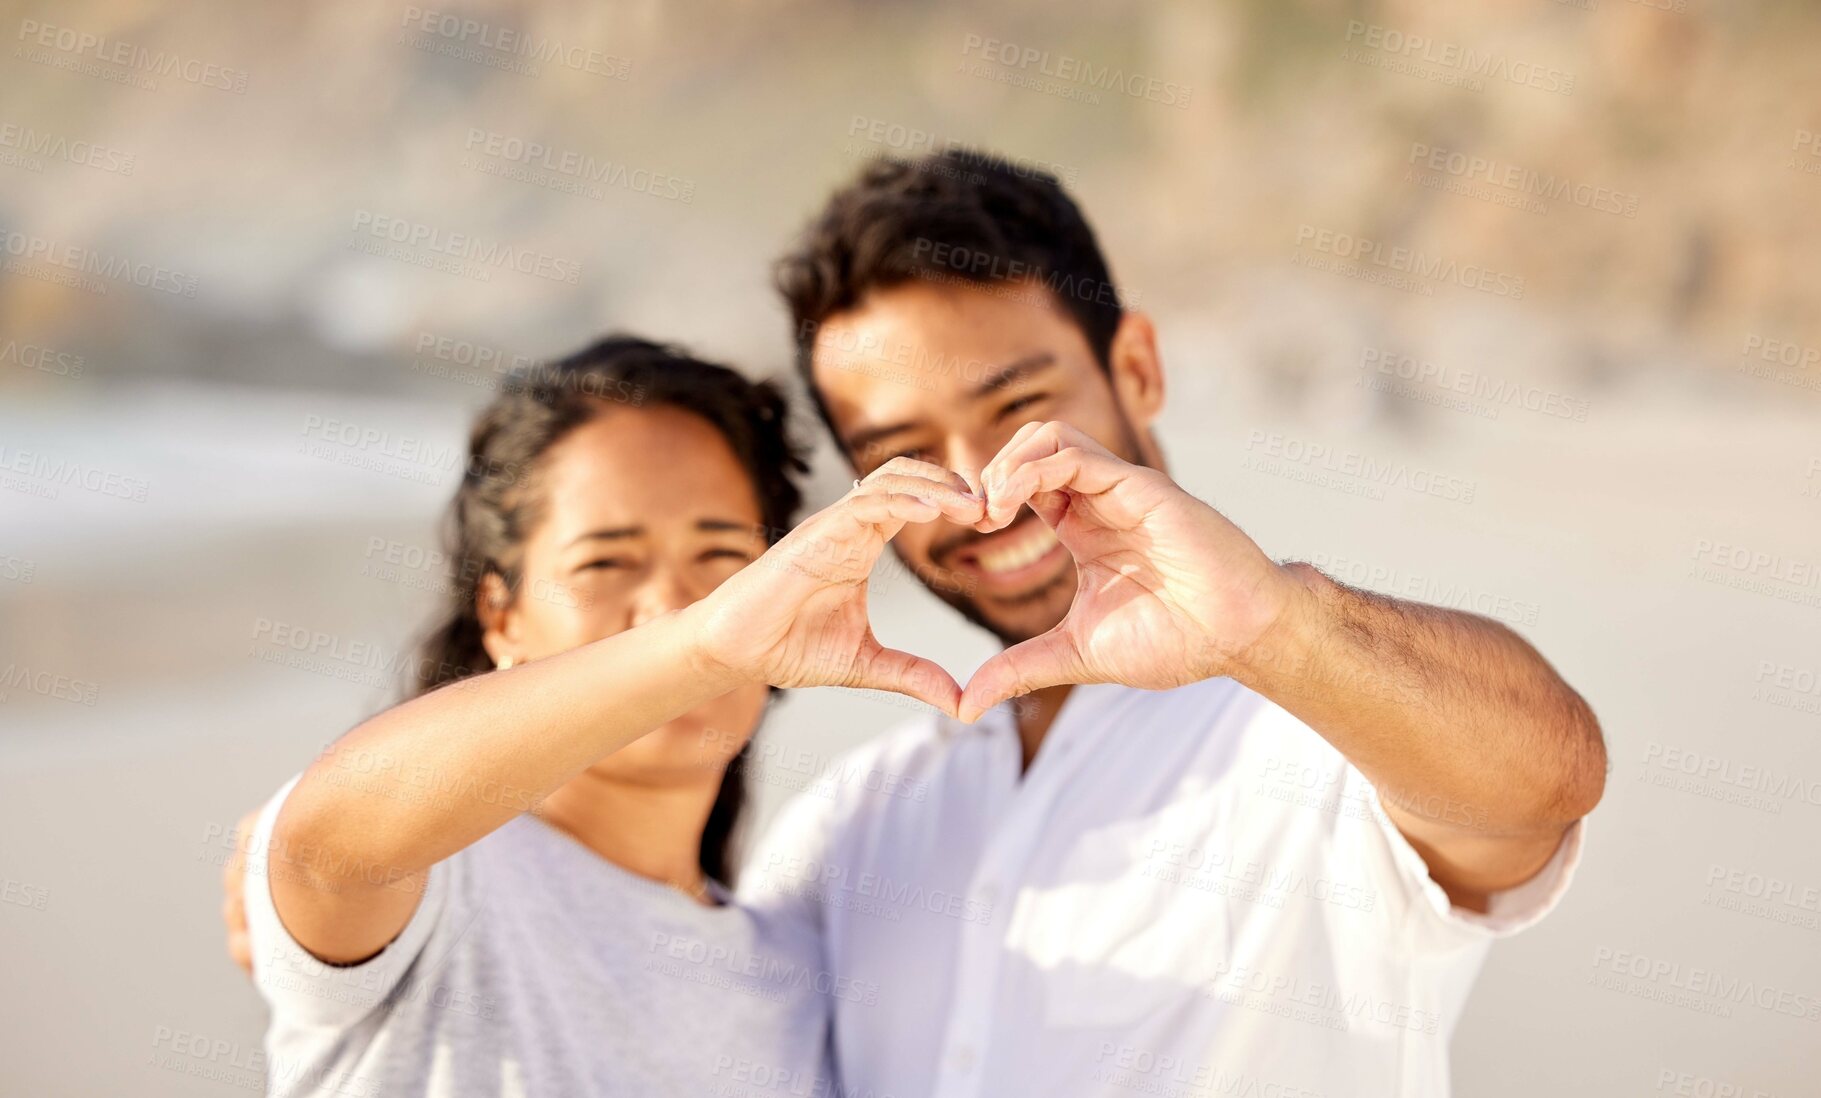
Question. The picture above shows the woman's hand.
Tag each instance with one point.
(797, 615)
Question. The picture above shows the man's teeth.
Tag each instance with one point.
(1021, 552)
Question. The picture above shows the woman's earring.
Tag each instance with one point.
(503, 662)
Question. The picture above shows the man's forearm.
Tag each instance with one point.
(1454, 718)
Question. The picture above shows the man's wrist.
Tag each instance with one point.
(1281, 650)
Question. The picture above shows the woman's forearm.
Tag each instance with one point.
(425, 779)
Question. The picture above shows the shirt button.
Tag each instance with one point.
(988, 895)
(963, 1060)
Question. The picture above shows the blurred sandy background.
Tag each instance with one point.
(1600, 333)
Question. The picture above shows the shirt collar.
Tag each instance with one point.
(995, 720)
(1078, 711)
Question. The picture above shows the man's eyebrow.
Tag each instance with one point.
(996, 379)
(608, 534)
(1013, 371)
(860, 440)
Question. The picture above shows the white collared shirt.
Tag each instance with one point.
(1188, 893)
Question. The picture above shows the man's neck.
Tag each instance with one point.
(652, 831)
(1035, 713)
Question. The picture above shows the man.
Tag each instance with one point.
(1246, 831)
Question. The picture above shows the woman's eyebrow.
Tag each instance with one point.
(613, 533)
(712, 525)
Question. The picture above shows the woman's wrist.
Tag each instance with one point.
(706, 659)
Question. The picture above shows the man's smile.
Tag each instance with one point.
(1015, 559)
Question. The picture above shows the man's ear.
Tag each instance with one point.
(1137, 371)
(498, 617)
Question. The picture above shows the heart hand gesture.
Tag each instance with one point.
(797, 616)
(1168, 591)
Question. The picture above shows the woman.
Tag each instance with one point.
(514, 882)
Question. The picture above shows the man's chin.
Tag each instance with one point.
(1021, 617)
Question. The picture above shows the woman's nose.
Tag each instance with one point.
(663, 592)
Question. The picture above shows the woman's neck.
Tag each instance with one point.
(653, 831)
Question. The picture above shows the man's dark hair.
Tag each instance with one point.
(957, 215)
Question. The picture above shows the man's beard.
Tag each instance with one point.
(1128, 450)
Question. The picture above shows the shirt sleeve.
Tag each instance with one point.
(1433, 920)
(301, 989)
(778, 884)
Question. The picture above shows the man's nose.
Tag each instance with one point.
(967, 457)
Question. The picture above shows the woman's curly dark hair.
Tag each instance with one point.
(497, 506)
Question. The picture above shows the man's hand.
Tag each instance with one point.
(234, 894)
(1168, 591)
(1481, 754)
(797, 615)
